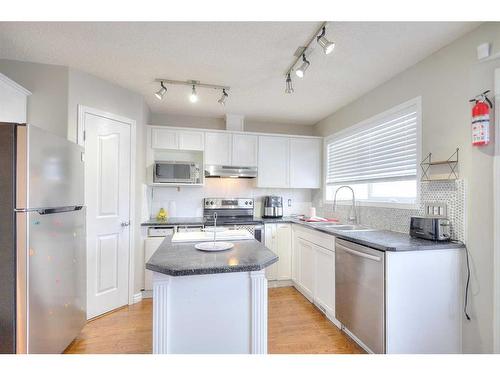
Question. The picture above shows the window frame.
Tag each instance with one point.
(362, 124)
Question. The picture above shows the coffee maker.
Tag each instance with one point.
(273, 206)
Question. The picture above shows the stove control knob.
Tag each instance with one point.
(212, 202)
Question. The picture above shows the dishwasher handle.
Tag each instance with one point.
(360, 254)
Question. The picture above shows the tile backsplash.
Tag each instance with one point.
(188, 201)
(452, 193)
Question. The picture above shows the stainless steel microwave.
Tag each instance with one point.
(176, 172)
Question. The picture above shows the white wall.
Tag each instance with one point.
(187, 202)
(220, 124)
(47, 106)
(446, 80)
(57, 92)
(88, 90)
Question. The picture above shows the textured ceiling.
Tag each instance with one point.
(251, 57)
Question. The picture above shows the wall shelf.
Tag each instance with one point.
(428, 163)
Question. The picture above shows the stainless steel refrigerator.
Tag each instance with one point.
(42, 240)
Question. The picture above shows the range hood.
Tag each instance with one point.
(230, 171)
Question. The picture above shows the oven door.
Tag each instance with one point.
(172, 172)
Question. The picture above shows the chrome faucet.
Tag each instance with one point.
(352, 215)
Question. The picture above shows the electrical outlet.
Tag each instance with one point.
(289, 203)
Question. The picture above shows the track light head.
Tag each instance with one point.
(193, 98)
(222, 100)
(289, 86)
(161, 92)
(303, 67)
(325, 43)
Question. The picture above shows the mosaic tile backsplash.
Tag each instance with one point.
(452, 193)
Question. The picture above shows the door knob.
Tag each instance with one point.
(125, 223)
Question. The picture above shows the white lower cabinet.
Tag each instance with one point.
(324, 284)
(150, 246)
(306, 267)
(313, 268)
(278, 238)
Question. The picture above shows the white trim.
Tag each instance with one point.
(259, 312)
(415, 101)
(496, 220)
(82, 110)
(137, 297)
(232, 131)
(14, 85)
(384, 204)
(161, 316)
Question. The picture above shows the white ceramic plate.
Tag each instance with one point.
(214, 246)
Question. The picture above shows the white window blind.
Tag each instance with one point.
(382, 149)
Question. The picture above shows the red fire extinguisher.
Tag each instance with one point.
(481, 119)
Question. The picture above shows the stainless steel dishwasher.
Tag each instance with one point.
(359, 292)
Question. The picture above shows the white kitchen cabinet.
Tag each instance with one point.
(150, 246)
(273, 166)
(305, 163)
(164, 139)
(191, 140)
(278, 238)
(324, 283)
(306, 252)
(313, 267)
(13, 101)
(218, 148)
(244, 150)
(170, 139)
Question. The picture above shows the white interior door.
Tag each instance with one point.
(107, 196)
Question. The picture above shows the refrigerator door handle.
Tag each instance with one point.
(48, 211)
(57, 210)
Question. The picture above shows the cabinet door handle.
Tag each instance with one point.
(125, 223)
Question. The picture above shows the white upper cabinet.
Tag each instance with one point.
(164, 139)
(218, 148)
(273, 166)
(245, 148)
(13, 101)
(305, 163)
(170, 139)
(191, 140)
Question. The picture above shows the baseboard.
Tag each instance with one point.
(137, 297)
(147, 294)
(279, 283)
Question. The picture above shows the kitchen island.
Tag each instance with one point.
(210, 302)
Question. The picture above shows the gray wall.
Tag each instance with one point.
(220, 124)
(446, 80)
(48, 104)
(88, 90)
(56, 93)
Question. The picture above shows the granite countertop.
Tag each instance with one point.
(175, 221)
(182, 259)
(384, 240)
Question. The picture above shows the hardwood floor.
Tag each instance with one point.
(295, 326)
(127, 330)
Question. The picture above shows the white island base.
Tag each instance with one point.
(220, 313)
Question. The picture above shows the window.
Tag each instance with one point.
(377, 158)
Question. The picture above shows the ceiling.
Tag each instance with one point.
(250, 57)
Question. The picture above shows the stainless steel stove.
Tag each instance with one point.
(237, 213)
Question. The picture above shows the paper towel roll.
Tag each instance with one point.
(312, 212)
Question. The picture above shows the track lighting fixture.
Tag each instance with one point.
(223, 98)
(303, 67)
(325, 43)
(193, 98)
(161, 92)
(289, 86)
(303, 51)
